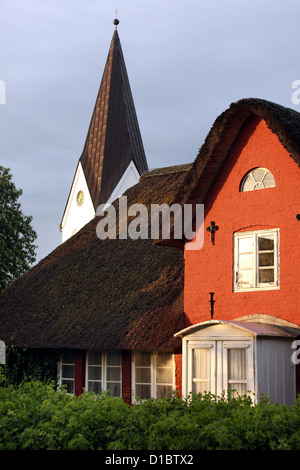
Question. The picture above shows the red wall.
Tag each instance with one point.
(211, 268)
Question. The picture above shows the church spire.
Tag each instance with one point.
(113, 138)
(113, 156)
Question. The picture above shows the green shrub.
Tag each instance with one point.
(34, 416)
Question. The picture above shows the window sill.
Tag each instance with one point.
(255, 289)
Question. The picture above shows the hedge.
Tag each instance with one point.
(35, 416)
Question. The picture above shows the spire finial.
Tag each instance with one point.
(116, 21)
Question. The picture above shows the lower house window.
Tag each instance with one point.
(66, 371)
(218, 366)
(103, 372)
(237, 370)
(256, 260)
(152, 374)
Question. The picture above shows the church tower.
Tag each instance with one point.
(113, 156)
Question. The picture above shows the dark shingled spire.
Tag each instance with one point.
(113, 138)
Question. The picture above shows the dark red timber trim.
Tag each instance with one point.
(79, 372)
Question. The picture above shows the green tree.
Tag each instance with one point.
(17, 236)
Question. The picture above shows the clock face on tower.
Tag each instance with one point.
(80, 197)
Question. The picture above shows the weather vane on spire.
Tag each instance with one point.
(116, 21)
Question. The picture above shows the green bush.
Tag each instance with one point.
(34, 416)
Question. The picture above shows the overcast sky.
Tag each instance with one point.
(187, 60)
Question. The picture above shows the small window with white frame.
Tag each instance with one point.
(152, 374)
(256, 260)
(103, 372)
(66, 371)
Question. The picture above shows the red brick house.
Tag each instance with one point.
(241, 290)
(143, 317)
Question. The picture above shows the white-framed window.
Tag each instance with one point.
(219, 366)
(152, 374)
(256, 260)
(66, 370)
(201, 372)
(258, 178)
(103, 372)
(235, 362)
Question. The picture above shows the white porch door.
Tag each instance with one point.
(218, 366)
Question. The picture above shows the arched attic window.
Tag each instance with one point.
(258, 178)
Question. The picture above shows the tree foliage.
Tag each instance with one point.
(17, 249)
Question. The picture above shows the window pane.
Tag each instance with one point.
(164, 375)
(245, 277)
(95, 358)
(266, 259)
(143, 359)
(259, 174)
(115, 388)
(269, 180)
(246, 245)
(248, 183)
(69, 384)
(201, 363)
(241, 389)
(68, 372)
(143, 375)
(114, 358)
(236, 364)
(94, 373)
(201, 370)
(246, 261)
(143, 391)
(113, 374)
(164, 359)
(266, 243)
(68, 357)
(200, 387)
(95, 387)
(265, 276)
(163, 391)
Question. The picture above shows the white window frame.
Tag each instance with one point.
(153, 367)
(104, 366)
(211, 347)
(249, 381)
(61, 364)
(256, 285)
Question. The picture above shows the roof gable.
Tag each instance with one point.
(283, 122)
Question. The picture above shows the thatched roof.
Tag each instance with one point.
(102, 294)
(283, 122)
